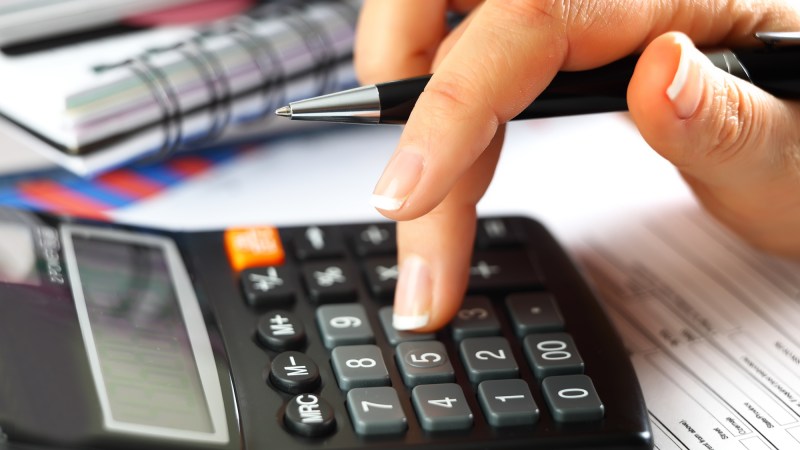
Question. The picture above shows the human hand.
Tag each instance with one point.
(737, 146)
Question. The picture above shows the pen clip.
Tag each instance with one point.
(778, 37)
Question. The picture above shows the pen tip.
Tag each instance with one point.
(284, 111)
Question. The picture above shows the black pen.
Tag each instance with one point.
(774, 68)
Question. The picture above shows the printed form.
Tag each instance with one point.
(712, 327)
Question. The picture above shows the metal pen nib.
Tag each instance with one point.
(357, 105)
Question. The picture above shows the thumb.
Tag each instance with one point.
(736, 145)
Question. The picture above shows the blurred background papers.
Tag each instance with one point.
(30, 20)
(109, 94)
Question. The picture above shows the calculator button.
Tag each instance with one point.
(344, 324)
(495, 232)
(265, 285)
(281, 330)
(552, 354)
(310, 416)
(376, 410)
(424, 362)
(294, 372)
(503, 270)
(381, 274)
(475, 318)
(441, 407)
(488, 358)
(534, 312)
(572, 398)
(359, 366)
(318, 242)
(375, 239)
(397, 336)
(507, 403)
(330, 281)
(253, 247)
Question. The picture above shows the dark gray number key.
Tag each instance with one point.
(376, 410)
(424, 362)
(507, 403)
(345, 324)
(488, 358)
(552, 354)
(441, 407)
(475, 318)
(359, 366)
(572, 398)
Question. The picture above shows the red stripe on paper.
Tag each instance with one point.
(62, 200)
(129, 183)
(189, 166)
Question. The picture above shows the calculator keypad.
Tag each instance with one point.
(507, 359)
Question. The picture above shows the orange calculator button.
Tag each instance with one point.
(254, 247)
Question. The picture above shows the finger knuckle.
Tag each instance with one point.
(734, 115)
(456, 95)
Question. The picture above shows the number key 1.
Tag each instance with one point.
(507, 402)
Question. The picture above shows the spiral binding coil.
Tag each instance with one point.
(171, 117)
(273, 78)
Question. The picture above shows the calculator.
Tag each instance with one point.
(121, 337)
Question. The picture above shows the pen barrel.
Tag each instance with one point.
(773, 69)
(603, 89)
(395, 102)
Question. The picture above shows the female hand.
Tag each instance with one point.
(737, 146)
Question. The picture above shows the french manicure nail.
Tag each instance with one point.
(412, 301)
(398, 180)
(686, 87)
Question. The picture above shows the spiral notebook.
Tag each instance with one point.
(96, 105)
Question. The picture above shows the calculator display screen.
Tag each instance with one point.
(146, 340)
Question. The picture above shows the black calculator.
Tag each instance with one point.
(118, 337)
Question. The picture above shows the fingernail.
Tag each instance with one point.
(686, 87)
(398, 180)
(412, 301)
